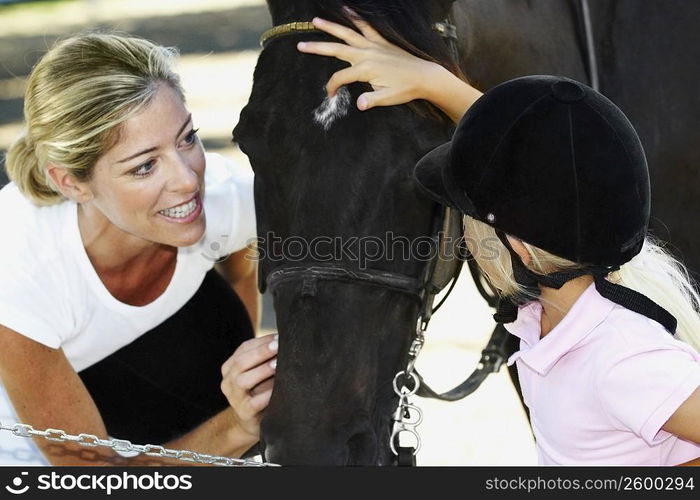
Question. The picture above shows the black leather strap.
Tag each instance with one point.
(406, 457)
(626, 297)
(492, 357)
(635, 301)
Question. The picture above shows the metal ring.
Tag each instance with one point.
(395, 436)
(416, 384)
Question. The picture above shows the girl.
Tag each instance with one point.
(553, 175)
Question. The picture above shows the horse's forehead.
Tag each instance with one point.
(332, 108)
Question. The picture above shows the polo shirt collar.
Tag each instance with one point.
(589, 310)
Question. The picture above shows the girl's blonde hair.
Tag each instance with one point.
(77, 96)
(653, 272)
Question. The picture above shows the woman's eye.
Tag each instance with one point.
(143, 170)
(191, 137)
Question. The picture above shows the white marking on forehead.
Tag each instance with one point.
(333, 108)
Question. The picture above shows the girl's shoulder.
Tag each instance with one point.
(641, 374)
(626, 334)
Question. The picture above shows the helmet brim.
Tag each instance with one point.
(435, 180)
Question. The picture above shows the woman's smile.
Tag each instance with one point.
(185, 212)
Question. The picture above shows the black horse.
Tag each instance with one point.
(341, 339)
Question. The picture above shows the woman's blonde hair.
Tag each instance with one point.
(653, 272)
(77, 96)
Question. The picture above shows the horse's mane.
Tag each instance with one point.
(405, 23)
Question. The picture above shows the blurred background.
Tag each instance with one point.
(218, 42)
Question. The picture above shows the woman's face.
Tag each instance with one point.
(151, 183)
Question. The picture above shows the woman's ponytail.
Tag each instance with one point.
(23, 168)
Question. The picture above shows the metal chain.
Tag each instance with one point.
(408, 416)
(122, 445)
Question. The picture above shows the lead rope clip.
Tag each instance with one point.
(407, 416)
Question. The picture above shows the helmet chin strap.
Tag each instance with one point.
(507, 310)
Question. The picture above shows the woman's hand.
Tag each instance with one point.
(248, 377)
(395, 75)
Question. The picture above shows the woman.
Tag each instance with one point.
(112, 321)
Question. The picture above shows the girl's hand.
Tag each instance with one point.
(248, 377)
(395, 75)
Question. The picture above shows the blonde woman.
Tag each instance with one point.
(552, 176)
(112, 321)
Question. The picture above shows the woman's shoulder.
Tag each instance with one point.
(229, 205)
(221, 170)
(30, 232)
(34, 279)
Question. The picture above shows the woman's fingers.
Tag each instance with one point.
(251, 378)
(348, 35)
(260, 400)
(251, 354)
(265, 385)
(260, 395)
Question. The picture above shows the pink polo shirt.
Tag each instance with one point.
(602, 383)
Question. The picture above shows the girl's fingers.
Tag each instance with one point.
(365, 28)
(251, 354)
(348, 35)
(345, 76)
(332, 49)
(381, 97)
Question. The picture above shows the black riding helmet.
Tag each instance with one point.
(552, 162)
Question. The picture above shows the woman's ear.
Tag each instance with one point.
(520, 249)
(68, 185)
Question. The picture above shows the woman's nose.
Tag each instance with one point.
(183, 176)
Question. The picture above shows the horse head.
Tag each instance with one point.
(341, 224)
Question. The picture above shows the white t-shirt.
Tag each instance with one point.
(50, 292)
